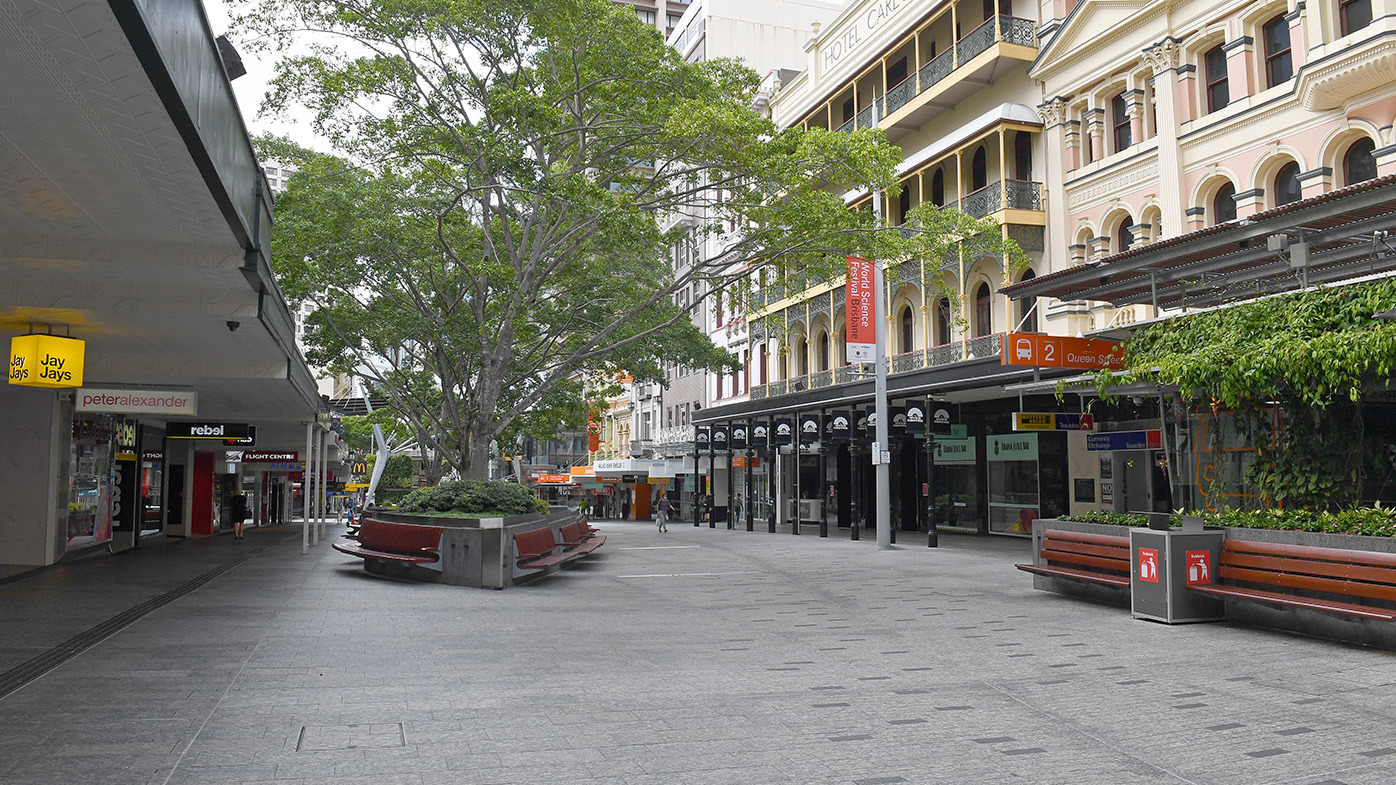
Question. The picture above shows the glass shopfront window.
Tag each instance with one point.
(90, 479)
(958, 501)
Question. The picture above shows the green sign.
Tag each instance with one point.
(952, 450)
(1012, 447)
(959, 431)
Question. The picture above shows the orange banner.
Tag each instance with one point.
(1055, 351)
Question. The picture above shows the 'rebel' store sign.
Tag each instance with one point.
(207, 430)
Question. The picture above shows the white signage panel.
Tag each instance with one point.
(118, 401)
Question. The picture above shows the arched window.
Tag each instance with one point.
(765, 358)
(983, 311)
(1224, 204)
(904, 202)
(1214, 66)
(1359, 164)
(1022, 155)
(1124, 237)
(1287, 188)
(938, 188)
(1279, 67)
(908, 331)
(1027, 314)
(841, 357)
(979, 169)
(1119, 111)
(1354, 14)
(942, 336)
(804, 358)
(823, 351)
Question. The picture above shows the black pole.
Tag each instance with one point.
(932, 536)
(823, 479)
(799, 469)
(772, 487)
(750, 497)
(697, 476)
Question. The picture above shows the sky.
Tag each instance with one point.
(252, 87)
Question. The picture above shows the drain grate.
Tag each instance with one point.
(31, 669)
(363, 736)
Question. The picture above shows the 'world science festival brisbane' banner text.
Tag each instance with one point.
(861, 310)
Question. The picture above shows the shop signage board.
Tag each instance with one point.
(784, 433)
(152, 456)
(1058, 351)
(949, 449)
(861, 309)
(250, 440)
(126, 500)
(1124, 440)
(840, 427)
(719, 438)
(1052, 421)
(738, 438)
(582, 471)
(1012, 447)
(613, 466)
(173, 402)
(760, 434)
(207, 430)
(915, 417)
(270, 456)
(46, 361)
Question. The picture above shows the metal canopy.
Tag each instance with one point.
(1344, 232)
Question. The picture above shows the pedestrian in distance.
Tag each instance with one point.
(239, 514)
(625, 510)
(663, 513)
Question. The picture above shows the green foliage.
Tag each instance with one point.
(497, 231)
(398, 472)
(1369, 521)
(473, 496)
(1280, 363)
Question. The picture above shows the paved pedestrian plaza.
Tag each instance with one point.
(698, 657)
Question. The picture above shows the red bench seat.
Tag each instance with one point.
(535, 549)
(578, 538)
(401, 542)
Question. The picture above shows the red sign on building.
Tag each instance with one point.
(1148, 565)
(861, 309)
(1199, 566)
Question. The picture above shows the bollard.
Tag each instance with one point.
(853, 530)
(932, 538)
(892, 534)
(824, 527)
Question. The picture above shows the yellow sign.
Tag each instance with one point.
(46, 361)
(360, 468)
(1034, 421)
(355, 486)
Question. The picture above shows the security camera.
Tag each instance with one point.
(233, 326)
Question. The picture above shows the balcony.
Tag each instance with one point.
(920, 359)
(1003, 195)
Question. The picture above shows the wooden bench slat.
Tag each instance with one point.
(1280, 598)
(1106, 551)
(1119, 565)
(1257, 561)
(1316, 553)
(1067, 572)
(354, 549)
(1096, 539)
(1295, 579)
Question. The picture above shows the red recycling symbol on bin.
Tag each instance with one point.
(1199, 566)
(1148, 565)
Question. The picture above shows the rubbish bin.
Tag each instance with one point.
(1164, 561)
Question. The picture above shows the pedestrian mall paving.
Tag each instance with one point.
(694, 657)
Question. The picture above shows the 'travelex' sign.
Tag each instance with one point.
(46, 361)
(98, 399)
(207, 430)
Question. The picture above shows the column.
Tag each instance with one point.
(1316, 181)
(259, 490)
(1298, 49)
(1095, 131)
(1058, 153)
(1161, 58)
(305, 486)
(1239, 79)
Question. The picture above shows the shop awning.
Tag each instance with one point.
(1336, 236)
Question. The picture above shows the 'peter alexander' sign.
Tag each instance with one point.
(98, 399)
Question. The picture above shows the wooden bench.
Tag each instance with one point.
(1303, 576)
(1096, 558)
(400, 542)
(579, 538)
(537, 548)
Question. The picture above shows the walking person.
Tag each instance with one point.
(239, 510)
(625, 509)
(663, 513)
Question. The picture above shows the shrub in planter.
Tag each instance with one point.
(472, 496)
(1368, 521)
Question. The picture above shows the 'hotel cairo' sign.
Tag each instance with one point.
(836, 48)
